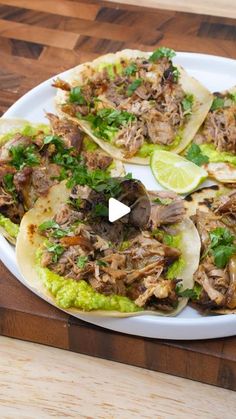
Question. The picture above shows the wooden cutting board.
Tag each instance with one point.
(43, 39)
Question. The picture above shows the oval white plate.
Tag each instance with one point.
(216, 73)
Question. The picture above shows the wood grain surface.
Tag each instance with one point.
(41, 38)
(78, 386)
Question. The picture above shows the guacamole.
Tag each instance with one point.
(27, 130)
(11, 228)
(79, 294)
(147, 149)
(217, 156)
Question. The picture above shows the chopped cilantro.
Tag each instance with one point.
(187, 104)
(54, 139)
(47, 225)
(133, 86)
(193, 293)
(161, 53)
(130, 70)
(100, 210)
(101, 263)
(162, 201)
(217, 103)
(195, 155)
(56, 249)
(176, 74)
(81, 261)
(76, 96)
(222, 246)
(107, 121)
(22, 156)
(8, 183)
(232, 96)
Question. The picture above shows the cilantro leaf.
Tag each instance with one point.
(187, 104)
(133, 86)
(232, 96)
(130, 70)
(56, 249)
(195, 155)
(222, 246)
(217, 103)
(46, 225)
(107, 121)
(162, 201)
(222, 254)
(54, 139)
(101, 262)
(161, 53)
(193, 293)
(100, 210)
(22, 156)
(81, 261)
(176, 74)
(76, 96)
(8, 183)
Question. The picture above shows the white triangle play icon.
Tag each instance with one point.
(116, 210)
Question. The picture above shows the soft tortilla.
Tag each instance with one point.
(189, 84)
(28, 241)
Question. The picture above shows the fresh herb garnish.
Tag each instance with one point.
(222, 246)
(76, 96)
(232, 96)
(161, 53)
(56, 249)
(217, 103)
(81, 261)
(107, 121)
(187, 104)
(176, 74)
(8, 183)
(54, 139)
(195, 155)
(46, 225)
(100, 210)
(162, 201)
(52, 225)
(133, 86)
(193, 293)
(101, 263)
(130, 70)
(22, 156)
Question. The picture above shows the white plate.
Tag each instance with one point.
(216, 73)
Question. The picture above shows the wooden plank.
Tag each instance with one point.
(40, 39)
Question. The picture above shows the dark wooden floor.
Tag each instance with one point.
(39, 38)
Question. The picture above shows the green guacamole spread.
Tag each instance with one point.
(217, 156)
(79, 294)
(27, 130)
(11, 228)
(147, 149)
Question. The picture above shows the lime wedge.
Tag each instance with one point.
(175, 172)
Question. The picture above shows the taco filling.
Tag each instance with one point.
(35, 157)
(216, 275)
(136, 103)
(217, 137)
(133, 264)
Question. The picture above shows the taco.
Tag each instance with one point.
(215, 278)
(216, 139)
(33, 157)
(69, 253)
(133, 102)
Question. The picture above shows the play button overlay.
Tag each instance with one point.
(117, 210)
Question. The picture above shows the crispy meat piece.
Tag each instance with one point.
(171, 213)
(72, 135)
(220, 128)
(97, 160)
(61, 84)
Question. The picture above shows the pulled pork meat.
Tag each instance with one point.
(218, 284)
(137, 271)
(150, 93)
(167, 208)
(220, 128)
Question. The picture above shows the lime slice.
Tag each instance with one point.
(175, 172)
